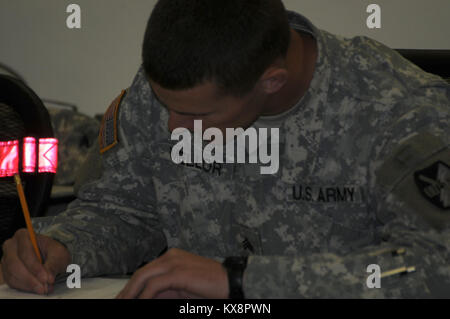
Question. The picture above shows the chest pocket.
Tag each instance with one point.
(170, 190)
(205, 209)
(330, 218)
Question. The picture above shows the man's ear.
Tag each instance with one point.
(273, 79)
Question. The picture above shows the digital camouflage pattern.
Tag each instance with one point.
(76, 133)
(336, 205)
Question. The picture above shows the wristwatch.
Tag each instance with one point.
(235, 267)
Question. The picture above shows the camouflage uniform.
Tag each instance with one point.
(76, 134)
(343, 198)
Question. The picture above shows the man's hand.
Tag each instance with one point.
(21, 267)
(178, 274)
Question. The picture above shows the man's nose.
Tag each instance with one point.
(178, 120)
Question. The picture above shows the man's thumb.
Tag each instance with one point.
(52, 268)
(56, 258)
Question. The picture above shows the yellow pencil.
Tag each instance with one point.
(26, 214)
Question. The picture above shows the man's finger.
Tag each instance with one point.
(27, 255)
(140, 277)
(52, 270)
(159, 284)
(56, 258)
(17, 276)
(176, 294)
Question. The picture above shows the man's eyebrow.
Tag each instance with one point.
(178, 112)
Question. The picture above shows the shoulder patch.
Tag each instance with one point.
(434, 184)
(108, 130)
(418, 177)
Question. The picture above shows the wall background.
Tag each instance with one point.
(89, 67)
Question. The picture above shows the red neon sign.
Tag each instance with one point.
(48, 155)
(47, 160)
(29, 154)
(9, 158)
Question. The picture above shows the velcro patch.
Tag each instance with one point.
(108, 129)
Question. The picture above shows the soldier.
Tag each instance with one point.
(363, 176)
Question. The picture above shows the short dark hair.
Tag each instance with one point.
(228, 42)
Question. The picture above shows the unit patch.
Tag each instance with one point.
(434, 184)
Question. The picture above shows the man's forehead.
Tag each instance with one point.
(200, 99)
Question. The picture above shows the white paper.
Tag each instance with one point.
(91, 288)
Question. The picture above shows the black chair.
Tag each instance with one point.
(22, 114)
(432, 61)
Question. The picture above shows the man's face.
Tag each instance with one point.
(204, 102)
